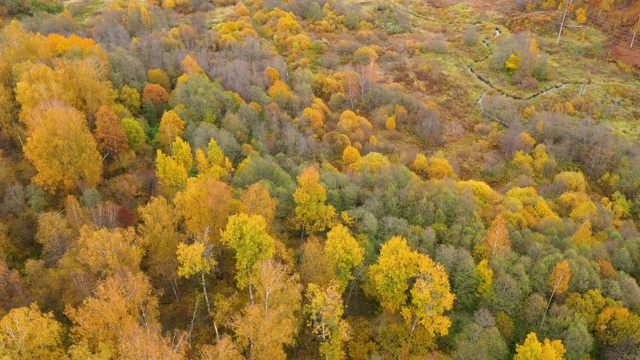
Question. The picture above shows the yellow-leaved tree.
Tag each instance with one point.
(257, 201)
(63, 151)
(583, 235)
(160, 239)
(130, 98)
(312, 214)
(247, 235)
(205, 204)
(388, 278)
(7, 109)
(173, 170)
(171, 126)
(273, 320)
(344, 254)
(160, 77)
(616, 324)
(430, 297)
(439, 168)
(390, 124)
(106, 252)
(390, 281)
(350, 155)
(55, 235)
(325, 310)
(213, 161)
(484, 276)
(82, 85)
(496, 241)
(420, 165)
(532, 349)
(119, 301)
(26, 333)
(513, 63)
(196, 258)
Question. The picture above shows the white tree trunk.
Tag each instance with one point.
(564, 16)
(206, 296)
(549, 303)
(251, 294)
(193, 318)
(635, 33)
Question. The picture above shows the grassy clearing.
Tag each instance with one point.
(83, 9)
(610, 93)
(218, 15)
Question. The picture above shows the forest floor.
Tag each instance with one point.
(621, 52)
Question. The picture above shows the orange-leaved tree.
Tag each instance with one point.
(109, 133)
(154, 93)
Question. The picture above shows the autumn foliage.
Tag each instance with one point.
(109, 134)
(389, 281)
(312, 214)
(218, 179)
(63, 151)
(154, 93)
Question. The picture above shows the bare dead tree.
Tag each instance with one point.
(635, 32)
(564, 16)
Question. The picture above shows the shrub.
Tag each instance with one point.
(470, 35)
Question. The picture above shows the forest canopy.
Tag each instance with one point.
(299, 179)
